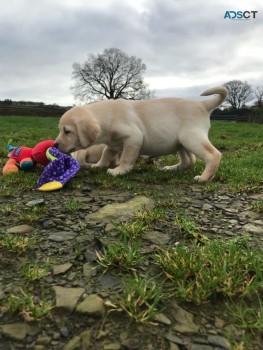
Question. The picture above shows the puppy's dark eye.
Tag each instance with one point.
(66, 131)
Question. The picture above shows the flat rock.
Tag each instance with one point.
(43, 339)
(16, 331)
(184, 320)
(20, 229)
(207, 206)
(35, 202)
(81, 341)
(109, 281)
(156, 237)
(231, 210)
(87, 270)
(67, 298)
(62, 236)
(73, 344)
(257, 196)
(161, 318)
(223, 198)
(57, 269)
(200, 347)
(121, 211)
(174, 339)
(219, 341)
(248, 215)
(92, 305)
(250, 228)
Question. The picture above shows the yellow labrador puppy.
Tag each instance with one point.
(154, 127)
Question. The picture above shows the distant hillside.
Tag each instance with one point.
(28, 108)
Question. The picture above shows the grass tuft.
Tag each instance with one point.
(140, 299)
(249, 317)
(121, 255)
(34, 271)
(16, 243)
(29, 307)
(218, 267)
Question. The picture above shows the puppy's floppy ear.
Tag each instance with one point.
(88, 131)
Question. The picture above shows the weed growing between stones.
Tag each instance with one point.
(197, 273)
(28, 306)
(130, 231)
(34, 271)
(8, 209)
(249, 317)
(33, 213)
(72, 204)
(140, 298)
(257, 206)
(125, 256)
(16, 243)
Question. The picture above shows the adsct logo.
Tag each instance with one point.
(240, 15)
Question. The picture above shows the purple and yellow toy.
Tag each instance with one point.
(60, 170)
(59, 167)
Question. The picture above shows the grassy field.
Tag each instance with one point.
(241, 144)
(194, 272)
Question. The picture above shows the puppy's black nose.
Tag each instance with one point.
(56, 144)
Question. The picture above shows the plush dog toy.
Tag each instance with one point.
(25, 158)
(59, 167)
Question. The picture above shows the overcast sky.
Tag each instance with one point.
(186, 45)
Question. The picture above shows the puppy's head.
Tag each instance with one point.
(78, 129)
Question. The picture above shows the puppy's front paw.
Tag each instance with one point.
(117, 171)
(99, 165)
(96, 165)
(171, 167)
(199, 178)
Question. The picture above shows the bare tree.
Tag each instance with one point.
(112, 75)
(259, 95)
(239, 93)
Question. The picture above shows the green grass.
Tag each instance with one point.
(72, 204)
(250, 317)
(122, 255)
(16, 243)
(188, 228)
(26, 131)
(34, 271)
(141, 298)
(197, 273)
(241, 167)
(28, 306)
(257, 206)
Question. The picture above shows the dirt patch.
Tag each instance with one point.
(68, 240)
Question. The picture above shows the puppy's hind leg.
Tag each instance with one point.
(203, 149)
(187, 160)
(212, 157)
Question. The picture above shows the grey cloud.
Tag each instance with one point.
(40, 40)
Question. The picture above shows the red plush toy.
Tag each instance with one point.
(25, 158)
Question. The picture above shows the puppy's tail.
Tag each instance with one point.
(212, 103)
